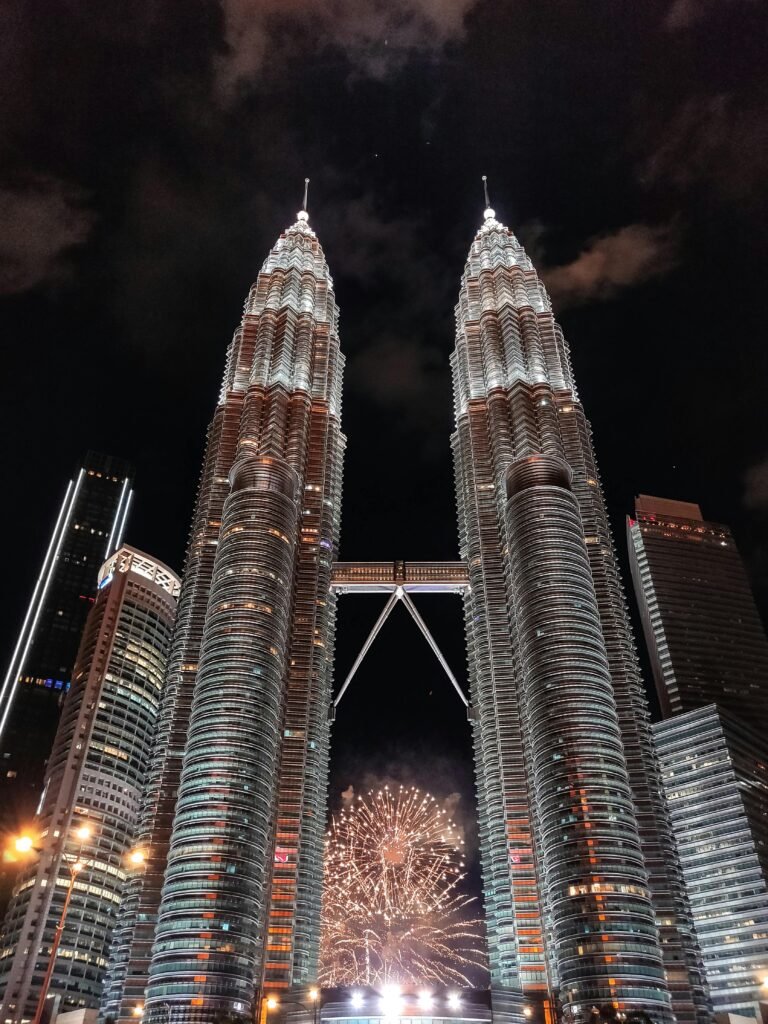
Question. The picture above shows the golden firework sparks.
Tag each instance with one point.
(393, 909)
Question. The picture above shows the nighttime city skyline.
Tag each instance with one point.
(153, 156)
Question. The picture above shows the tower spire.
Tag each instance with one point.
(489, 213)
(302, 215)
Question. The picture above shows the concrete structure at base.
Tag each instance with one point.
(392, 1004)
(716, 779)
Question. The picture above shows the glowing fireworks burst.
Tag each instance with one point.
(393, 911)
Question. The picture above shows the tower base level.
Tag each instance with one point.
(402, 1004)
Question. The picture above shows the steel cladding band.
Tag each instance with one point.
(588, 842)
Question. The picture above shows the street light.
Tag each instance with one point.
(137, 858)
(82, 832)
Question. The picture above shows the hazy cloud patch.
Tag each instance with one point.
(756, 486)
(715, 140)
(375, 35)
(684, 13)
(43, 219)
(611, 263)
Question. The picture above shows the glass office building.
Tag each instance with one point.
(93, 781)
(89, 527)
(704, 635)
(716, 780)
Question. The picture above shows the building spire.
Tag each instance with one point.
(303, 214)
(489, 213)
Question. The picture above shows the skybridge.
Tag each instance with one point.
(400, 580)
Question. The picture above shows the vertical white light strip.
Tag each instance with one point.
(119, 538)
(108, 551)
(36, 604)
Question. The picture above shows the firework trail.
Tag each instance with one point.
(393, 911)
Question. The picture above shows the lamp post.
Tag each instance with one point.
(82, 833)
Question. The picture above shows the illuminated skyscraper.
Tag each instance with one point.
(704, 635)
(581, 876)
(716, 778)
(93, 782)
(243, 735)
(89, 527)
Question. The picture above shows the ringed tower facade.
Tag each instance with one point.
(583, 891)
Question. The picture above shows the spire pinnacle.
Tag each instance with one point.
(489, 213)
(302, 214)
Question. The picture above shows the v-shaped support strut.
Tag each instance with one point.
(399, 594)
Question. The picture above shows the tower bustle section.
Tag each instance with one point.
(234, 815)
(584, 898)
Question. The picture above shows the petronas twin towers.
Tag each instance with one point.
(583, 895)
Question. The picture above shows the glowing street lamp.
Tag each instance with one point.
(23, 844)
(137, 858)
(82, 833)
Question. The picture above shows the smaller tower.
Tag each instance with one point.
(92, 785)
(704, 635)
(89, 527)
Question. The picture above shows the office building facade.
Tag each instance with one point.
(89, 527)
(93, 780)
(230, 901)
(581, 878)
(704, 635)
(716, 780)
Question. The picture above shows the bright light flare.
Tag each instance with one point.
(83, 832)
(272, 1003)
(356, 1000)
(391, 1001)
(23, 844)
(138, 1011)
(454, 1001)
(137, 858)
(426, 1000)
(314, 994)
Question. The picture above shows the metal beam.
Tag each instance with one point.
(399, 594)
(433, 644)
(366, 646)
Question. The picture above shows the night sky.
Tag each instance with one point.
(153, 151)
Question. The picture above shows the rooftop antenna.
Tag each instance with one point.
(489, 213)
(303, 215)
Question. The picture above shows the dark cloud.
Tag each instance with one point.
(375, 35)
(611, 263)
(42, 221)
(717, 141)
(756, 487)
(684, 13)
